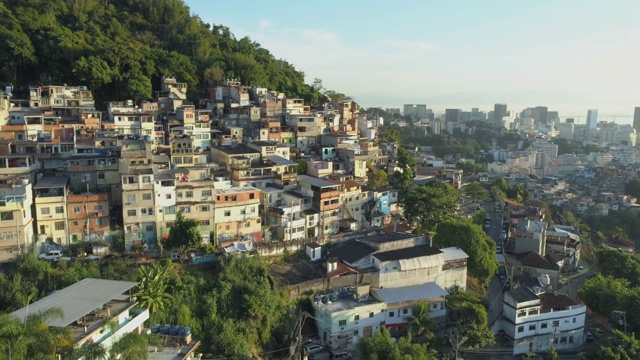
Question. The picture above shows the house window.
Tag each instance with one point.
(99, 221)
(522, 313)
(146, 196)
(405, 311)
(148, 228)
(520, 329)
(170, 210)
(206, 193)
(205, 208)
(574, 320)
(168, 196)
(75, 223)
(97, 207)
(242, 212)
(76, 209)
(563, 340)
(59, 210)
(44, 211)
(252, 195)
(391, 314)
(100, 176)
(59, 225)
(342, 322)
(355, 333)
(571, 339)
(556, 323)
(371, 314)
(434, 306)
(532, 327)
(131, 213)
(6, 215)
(226, 227)
(227, 213)
(356, 318)
(543, 325)
(131, 198)
(146, 179)
(189, 194)
(204, 222)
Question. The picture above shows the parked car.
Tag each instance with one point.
(342, 355)
(51, 255)
(313, 348)
(590, 337)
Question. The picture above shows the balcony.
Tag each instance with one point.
(137, 186)
(81, 168)
(287, 175)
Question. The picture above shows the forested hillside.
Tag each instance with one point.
(121, 48)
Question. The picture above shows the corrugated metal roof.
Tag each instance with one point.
(410, 293)
(306, 179)
(421, 262)
(77, 300)
(453, 253)
(52, 182)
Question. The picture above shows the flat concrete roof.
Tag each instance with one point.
(77, 300)
(47, 182)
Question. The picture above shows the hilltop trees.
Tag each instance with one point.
(476, 243)
(80, 42)
(382, 347)
(427, 206)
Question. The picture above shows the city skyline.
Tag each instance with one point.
(458, 54)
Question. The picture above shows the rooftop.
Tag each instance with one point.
(279, 160)
(522, 294)
(235, 150)
(314, 181)
(77, 300)
(236, 190)
(351, 251)
(556, 302)
(407, 253)
(410, 293)
(48, 182)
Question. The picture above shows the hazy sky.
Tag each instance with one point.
(567, 55)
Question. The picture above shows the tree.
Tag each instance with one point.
(213, 76)
(153, 288)
(406, 163)
(183, 235)
(382, 347)
(377, 178)
(302, 167)
(553, 354)
(33, 338)
(618, 264)
(476, 243)
(475, 191)
(392, 135)
(420, 322)
(130, 346)
(427, 206)
(468, 319)
(618, 346)
(478, 217)
(139, 87)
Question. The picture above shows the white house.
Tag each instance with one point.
(535, 321)
(401, 300)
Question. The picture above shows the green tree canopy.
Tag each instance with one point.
(382, 347)
(475, 191)
(302, 167)
(420, 323)
(33, 338)
(377, 178)
(476, 243)
(153, 289)
(618, 346)
(427, 206)
(618, 264)
(183, 235)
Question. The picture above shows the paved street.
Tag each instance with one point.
(494, 292)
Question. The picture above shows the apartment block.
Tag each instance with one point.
(236, 215)
(16, 219)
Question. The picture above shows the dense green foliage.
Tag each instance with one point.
(407, 165)
(184, 234)
(633, 188)
(616, 223)
(420, 323)
(427, 206)
(517, 193)
(382, 347)
(619, 346)
(475, 191)
(476, 243)
(120, 48)
(617, 287)
(32, 338)
(301, 168)
(377, 178)
(468, 317)
(231, 306)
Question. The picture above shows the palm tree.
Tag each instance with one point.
(420, 322)
(32, 338)
(130, 347)
(152, 289)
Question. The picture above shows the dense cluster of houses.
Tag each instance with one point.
(71, 173)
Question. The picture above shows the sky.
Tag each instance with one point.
(568, 55)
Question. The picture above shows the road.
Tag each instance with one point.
(495, 294)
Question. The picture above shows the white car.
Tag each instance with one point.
(313, 348)
(52, 255)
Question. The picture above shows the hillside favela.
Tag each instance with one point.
(172, 191)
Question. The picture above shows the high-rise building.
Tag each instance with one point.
(418, 111)
(592, 119)
(636, 119)
(499, 111)
(541, 114)
(452, 115)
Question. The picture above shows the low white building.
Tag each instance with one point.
(401, 300)
(535, 321)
